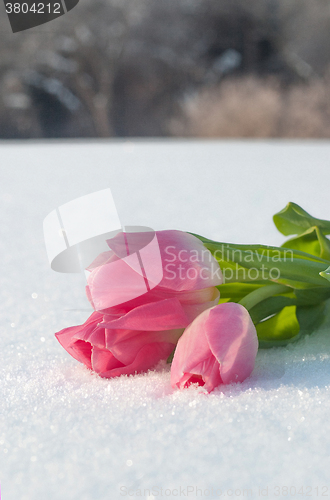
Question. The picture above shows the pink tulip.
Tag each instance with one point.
(134, 335)
(180, 265)
(219, 347)
(113, 352)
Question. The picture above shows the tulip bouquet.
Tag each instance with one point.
(213, 306)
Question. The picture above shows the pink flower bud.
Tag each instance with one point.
(219, 347)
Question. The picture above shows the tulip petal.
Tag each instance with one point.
(146, 245)
(162, 315)
(103, 360)
(233, 341)
(208, 370)
(204, 374)
(95, 337)
(146, 358)
(188, 299)
(187, 264)
(191, 351)
(193, 310)
(69, 338)
(125, 344)
(182, 260)
(115, 283)
(81, 351)
(199, 269)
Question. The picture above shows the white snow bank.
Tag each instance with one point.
(67, 434)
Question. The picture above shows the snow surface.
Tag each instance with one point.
(67, 434)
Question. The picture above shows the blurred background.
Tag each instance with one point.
(169, 68)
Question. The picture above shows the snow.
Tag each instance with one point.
(67, 434)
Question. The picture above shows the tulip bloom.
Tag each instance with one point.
(111, 352)
(219, 347)
(188, 270)
(134, 335)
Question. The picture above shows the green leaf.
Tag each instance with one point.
(279, 329)
(311, 241)
(225, 251)
(324, 245)
(290, 324)
(269, 307)
(236, 291)
(326, 274)
(294, 220)
(310, 317)
(263, 293)
(301, 298)
(312, 296)
(251, 263)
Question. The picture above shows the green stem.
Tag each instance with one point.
(262, 293)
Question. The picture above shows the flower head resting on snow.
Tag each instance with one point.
(218, 347)
(130, 331)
